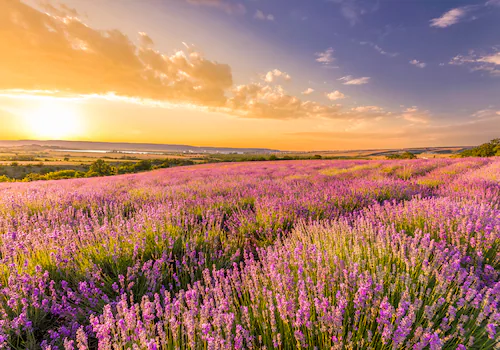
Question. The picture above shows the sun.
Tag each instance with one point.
(53, 121)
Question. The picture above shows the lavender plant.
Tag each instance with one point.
(298, 254)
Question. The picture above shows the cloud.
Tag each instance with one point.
(493, 58)
(263, 17)
(379, 49)
(486, 113)
(349, 80)
(367, 109)
(325, 57)
(263, 101)
(52, 52)
(489, 62)
(145, 40)
(335, 95)
(493, 3)
(368, 112)
(226, 6)
(449, 18)
(308, 91)
(352, 10)
(418, 64)
(271, 76)
(61, 11)
(56, 54)
(349, 11)
(414, 115)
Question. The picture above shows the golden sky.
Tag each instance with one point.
(85, 70)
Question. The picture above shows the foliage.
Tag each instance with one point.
(488, 149)
(143, 165)
(24, 158)
(56, 175)
(101, 168)
(38, 171)
(404, 155)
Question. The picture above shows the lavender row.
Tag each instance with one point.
(72, 251)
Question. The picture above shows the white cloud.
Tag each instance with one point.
(486, 62)
(459, 60)
(262, 16)
(271, 76)
(349, 80)
(379, 49)
(335, 95)
(273, 102)
(325, 57)
(493, 58)
(352, 10)
(308, 91)
(449, 18)
(486, 113)
(418, 63)
(350, 13)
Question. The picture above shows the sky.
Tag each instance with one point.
(283, 74)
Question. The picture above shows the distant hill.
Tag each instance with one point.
(427, 150)
(34, 146)
(123, 146)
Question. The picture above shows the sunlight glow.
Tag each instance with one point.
(53, 120)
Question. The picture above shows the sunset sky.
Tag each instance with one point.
(285, 74)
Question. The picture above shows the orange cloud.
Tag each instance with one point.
(56, 51)
(414, 115)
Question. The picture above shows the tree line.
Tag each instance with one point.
(489, 149)
(101, 168)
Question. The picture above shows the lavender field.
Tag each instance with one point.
(272, 255)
